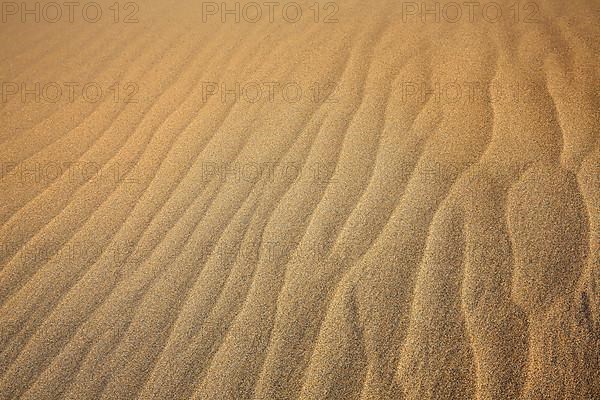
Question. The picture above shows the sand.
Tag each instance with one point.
(380, 200)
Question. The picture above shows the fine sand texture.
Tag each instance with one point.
(321, 200)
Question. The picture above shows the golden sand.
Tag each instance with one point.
(367, 200)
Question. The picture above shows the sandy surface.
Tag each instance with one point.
(378, 201)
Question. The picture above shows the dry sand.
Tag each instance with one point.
(392, 207)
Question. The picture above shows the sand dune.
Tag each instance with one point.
(332, 200)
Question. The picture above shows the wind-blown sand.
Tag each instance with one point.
(430, 229)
